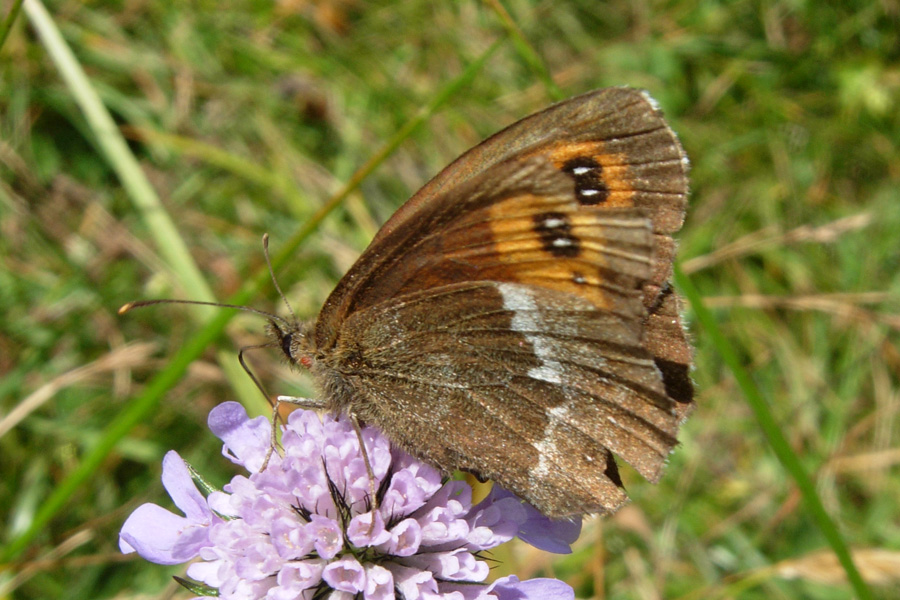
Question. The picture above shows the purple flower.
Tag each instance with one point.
(304, 526)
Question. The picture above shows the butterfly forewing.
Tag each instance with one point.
(518, 222)
(612, 141)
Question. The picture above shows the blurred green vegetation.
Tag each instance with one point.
(246, 117)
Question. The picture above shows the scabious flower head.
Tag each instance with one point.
(304, 527)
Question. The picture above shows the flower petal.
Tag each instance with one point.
(329, 538)
(510, 588)
(162, 537)
(296, 577)
(247, 439)
(290, 538)
(455, 565)
(406, 537)
(551, 535)
(210, 572)
(176, 478)
(363, 533)
(379, 583)
(413, 584)
(542, 532)
(345, 575)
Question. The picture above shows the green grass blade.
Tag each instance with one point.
(6, 27)
(772, 431)
(115, 150)
(526, 51)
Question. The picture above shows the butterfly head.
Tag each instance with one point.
(294, 339)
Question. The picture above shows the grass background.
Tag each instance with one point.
(252, 117)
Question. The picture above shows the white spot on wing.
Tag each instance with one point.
(527, 321)
(548, 453)
(560, 413)
(545, 449)
(545, 373)
(552, 223)
(580, 170)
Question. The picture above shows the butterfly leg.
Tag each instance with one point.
(305, 403)
(373, 493)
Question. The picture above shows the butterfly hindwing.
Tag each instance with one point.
(543, 384)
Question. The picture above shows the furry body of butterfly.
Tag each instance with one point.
(515, 317)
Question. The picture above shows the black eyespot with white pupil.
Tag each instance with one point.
(590, 188)
(556, 234)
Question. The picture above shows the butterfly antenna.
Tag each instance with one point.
(274, 280)
(141, 303)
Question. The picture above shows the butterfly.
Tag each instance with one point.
(516, 318)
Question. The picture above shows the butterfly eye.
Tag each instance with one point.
(286, 343)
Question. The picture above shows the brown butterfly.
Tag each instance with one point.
(515, 318)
